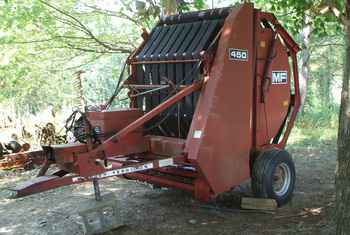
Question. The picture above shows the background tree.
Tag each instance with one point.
(343, 171)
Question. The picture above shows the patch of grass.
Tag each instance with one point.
(312, 137)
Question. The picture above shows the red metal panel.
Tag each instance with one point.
(166, 146)
(133, 143)
(263, 41)
(161, 181)
(44, 183)
(64, 154)
(110, 122)
(177, 172)
(296, 101)
(278, 97)
(220, 136)
(272, 101)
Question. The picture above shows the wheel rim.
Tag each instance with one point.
(282, 179)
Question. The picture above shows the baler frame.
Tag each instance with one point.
(88, 162)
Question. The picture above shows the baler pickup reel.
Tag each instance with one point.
(212, 94)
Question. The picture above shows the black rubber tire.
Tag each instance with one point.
(263, 173)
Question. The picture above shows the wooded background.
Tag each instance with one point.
(44, 44)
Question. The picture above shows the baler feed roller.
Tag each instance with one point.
(213, 98)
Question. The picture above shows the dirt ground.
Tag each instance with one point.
(144, 210)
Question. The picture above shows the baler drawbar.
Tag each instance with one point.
(213, 97)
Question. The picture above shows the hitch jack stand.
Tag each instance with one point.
(97, 189)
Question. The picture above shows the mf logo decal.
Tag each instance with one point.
(238, 54)
(279, 77)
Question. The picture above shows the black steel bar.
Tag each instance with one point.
(187, 42)
(208, 37)
(172, 120)
(179, 41)
(146, 86)
(195, 41)
(188, 107)
(165, 61)
(149, 43)
(150, 91)
(156, 43)
(148, 82)
(174, 37)
(211, 14)
(163, 43)
(140, 80)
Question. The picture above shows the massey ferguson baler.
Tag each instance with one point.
(213, 97)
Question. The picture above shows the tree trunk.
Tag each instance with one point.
(169, 7)
(305, 67)
(325, 84)
(343, 171)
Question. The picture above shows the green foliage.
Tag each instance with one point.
(310, 137)
(294, 15)
(195, 6)
(43, 45)
(325, 47)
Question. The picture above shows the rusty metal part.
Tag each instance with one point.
(48, 135)
(25, 147)
(22, 160)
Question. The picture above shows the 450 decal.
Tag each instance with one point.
(238, 54)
